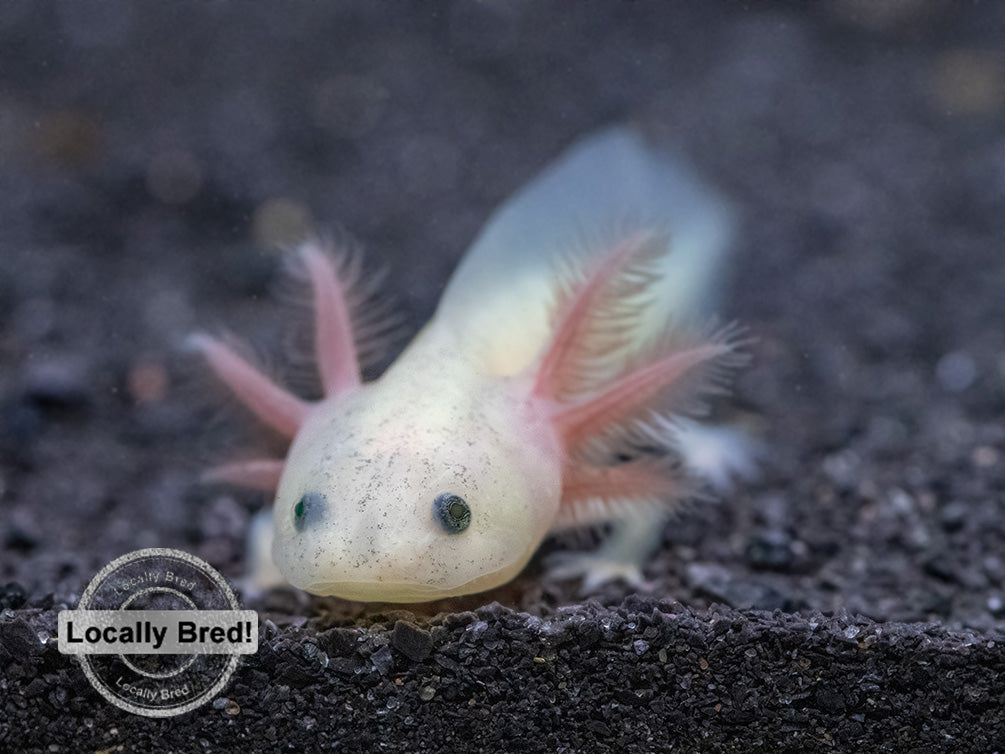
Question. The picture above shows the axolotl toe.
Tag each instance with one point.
(539, 397)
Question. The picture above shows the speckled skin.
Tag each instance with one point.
(433, 423)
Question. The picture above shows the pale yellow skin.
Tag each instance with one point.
(381, 455)
(456, 413)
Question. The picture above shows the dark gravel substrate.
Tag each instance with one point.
(850, 599)
(645, 676)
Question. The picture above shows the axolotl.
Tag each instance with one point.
(542, 394)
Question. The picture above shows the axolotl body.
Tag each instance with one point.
(566, 341)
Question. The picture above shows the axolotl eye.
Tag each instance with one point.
(308, 510)
(451, 512)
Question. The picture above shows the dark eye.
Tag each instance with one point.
(452, 513)
(308, 510)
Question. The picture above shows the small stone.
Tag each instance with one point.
(996, 606)
(985, 457)
(830, 700)
(19, 638)
(770, 550)
(314, 654)
(56, 383)
(58, 696)
(413, 642)
(35, 687)
(844, 468)
(338, 642)
(382, 659)
(953, 515)
(956, 371)
(939, 565)
(12, 595)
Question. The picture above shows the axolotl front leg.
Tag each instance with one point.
(717, 455)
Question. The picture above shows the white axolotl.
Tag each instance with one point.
(541, 395)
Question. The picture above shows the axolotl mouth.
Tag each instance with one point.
(368, 591)
(362, 591)
(381, 591)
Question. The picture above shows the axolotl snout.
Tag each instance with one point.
(538, 397)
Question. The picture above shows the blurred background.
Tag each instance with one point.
(153, 157)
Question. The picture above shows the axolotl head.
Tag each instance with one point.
(412, 490)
